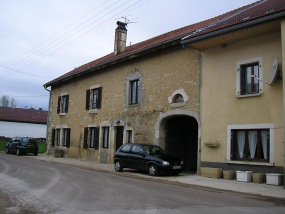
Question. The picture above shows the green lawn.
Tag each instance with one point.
(42, 146)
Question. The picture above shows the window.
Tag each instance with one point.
(136, 149)
(58, 137)
(105, 137)
(62, 106)
(249, 84)
(91, 137)
(250, 145)
(134, 85)
(66, 137)
(246, 83)
(130, 136)
(94, 138)
(61, 137)
(93, 98)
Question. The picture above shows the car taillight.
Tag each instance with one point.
(21, 143)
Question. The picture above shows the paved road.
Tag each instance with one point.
(32, 186)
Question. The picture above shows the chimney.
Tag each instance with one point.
(120, 38)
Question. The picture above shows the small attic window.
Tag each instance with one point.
(178, 98)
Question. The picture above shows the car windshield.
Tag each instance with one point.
(153, 150)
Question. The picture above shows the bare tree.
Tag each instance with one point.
(5, 100)
(13, 103)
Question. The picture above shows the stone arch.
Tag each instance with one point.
(162, 122)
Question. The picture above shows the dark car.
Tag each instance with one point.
(150, 158)
(22, 145)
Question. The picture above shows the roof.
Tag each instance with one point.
(23, 115)
(257, 10)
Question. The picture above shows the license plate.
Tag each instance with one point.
(30, 145)
(176, 167)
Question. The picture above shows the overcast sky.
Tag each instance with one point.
(43, 39)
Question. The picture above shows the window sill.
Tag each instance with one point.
(248, 95)
(62, 114)
(93, 111)
(176, 105)
(250, 163)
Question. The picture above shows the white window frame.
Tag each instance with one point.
(251, 126)
(239, 65)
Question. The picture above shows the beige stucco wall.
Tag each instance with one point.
(221, 108)
(161, 73)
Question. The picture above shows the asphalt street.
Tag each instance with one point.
(32, 186)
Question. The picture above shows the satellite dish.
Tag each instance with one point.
(273, 71)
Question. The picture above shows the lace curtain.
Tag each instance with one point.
(241, 141)
(252, 141)
(264, 143)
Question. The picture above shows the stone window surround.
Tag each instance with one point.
(93, 111)
(182, 93)
(129, 79)
(62, 95)
(238, 76)
(251, 126)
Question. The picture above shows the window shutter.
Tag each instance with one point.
(96, 146)
(87, 100)
(52, 137)
(66, 103)
(68, 138)
(85, 145)
(99, 97)
(58, 104)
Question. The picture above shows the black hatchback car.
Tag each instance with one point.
(22, 145)
(145, 157)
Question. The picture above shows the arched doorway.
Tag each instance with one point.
(181, 140)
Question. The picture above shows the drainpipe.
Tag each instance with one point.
(47, 144)
(283, 75)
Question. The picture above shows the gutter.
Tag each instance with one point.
(186, 40)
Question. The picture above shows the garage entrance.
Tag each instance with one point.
(181, 140)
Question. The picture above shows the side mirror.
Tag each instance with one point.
(142, 153)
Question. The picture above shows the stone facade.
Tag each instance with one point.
(162, 75)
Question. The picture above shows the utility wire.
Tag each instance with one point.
(84, 33)
(67, 34)
(23, 72)
(55, 34)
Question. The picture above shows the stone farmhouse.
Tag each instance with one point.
(199, 92)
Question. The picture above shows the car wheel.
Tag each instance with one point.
(118, 166)
(35, 153)
(176, 173)
(7, 150)
(18, 152)
(152, 170)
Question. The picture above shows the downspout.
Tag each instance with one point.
(283, 75)
(47, 144)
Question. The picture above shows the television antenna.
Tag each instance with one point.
(273, 75)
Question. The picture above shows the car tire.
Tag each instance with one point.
(35, 153)
(18, 152)
(118, 166)
(152, 170)
(7, 150)
(176, 173)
